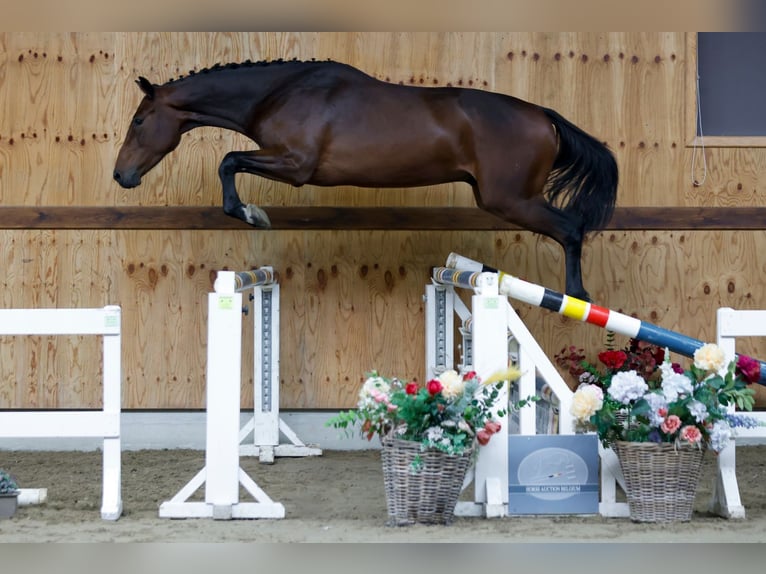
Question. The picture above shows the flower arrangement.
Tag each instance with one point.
(640, 396)
(8, 484)
(449, 413)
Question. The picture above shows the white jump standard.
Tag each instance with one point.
(266, 426)
(105, 423)
(490, 321)
(222, 474)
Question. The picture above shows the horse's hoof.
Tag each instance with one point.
(255, 216)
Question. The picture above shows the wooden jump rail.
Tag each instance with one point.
(361, 218)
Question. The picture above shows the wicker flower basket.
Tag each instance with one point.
(425, 495)
(660, 479)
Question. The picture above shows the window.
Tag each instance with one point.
(732, 88)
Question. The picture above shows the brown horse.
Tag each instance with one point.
(327, 123)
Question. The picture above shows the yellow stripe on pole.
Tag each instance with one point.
(574, 308)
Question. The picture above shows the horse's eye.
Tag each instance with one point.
(138, 121)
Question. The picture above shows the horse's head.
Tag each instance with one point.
(154, 131)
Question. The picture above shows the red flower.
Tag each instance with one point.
(749, 369)
(470, 375)
(678, 369)
(434, 387)
(411, 388)
(483, 437)
(492, 427)
(613, 359)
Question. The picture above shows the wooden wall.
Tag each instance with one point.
(351, 299)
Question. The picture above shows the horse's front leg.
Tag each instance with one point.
(277, 164)
(232, 204)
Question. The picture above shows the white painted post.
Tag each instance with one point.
(490, 352)
(111, 504)
(266, 370)
(224, 362)
(440, 304)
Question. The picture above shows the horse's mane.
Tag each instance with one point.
(236, 65)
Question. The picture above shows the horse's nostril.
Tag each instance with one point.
(117, 176)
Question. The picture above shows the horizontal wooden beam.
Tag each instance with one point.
(324, 217)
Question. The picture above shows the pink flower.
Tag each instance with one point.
(378, 396)
(433, 387)
(671, 424)
(662, 412)
(691, 434)
(411, 388)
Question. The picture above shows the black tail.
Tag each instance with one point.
(584, 176)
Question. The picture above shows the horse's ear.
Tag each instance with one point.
(146, 87)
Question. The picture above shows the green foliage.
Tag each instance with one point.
(8, 484)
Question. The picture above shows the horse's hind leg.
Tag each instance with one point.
(535, 214)
(279, 166)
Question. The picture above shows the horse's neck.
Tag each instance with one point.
(225, 102)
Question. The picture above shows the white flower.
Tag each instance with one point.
(719, 435)
(656, 402)
(675, 385)
(709, 357)
(586, 401)
(698, 410)
(374, 383)
(434, 434)
(452, 383)
(627, 386)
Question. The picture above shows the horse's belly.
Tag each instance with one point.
(366, 173)
(391, 162)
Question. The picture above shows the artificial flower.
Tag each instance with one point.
(663, 403)
(450, 413)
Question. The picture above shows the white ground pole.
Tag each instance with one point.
(731, 324)
(105, 424)
(222, 475)
(266, 426)
(492, 318)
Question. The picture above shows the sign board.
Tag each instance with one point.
(553, 474)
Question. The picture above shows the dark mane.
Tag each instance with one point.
(235, 65)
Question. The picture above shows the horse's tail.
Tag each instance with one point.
(584, 176)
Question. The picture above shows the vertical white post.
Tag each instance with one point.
(224, 358)
(440, 305)
(726, 501)
(266, 365)
(111, 502)
(490, 354)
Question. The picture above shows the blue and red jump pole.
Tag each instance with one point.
(464, 272)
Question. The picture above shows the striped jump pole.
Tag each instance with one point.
(234, 282)
(463, 272)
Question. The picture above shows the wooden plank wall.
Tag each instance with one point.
(351, 300)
